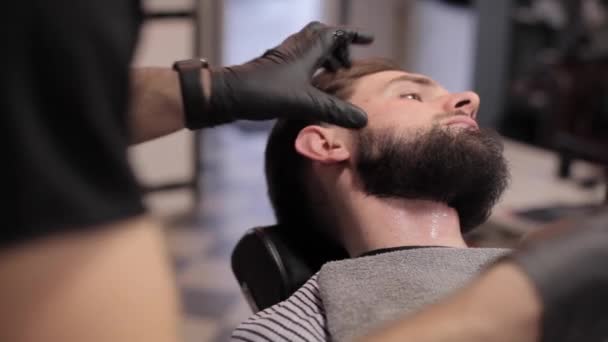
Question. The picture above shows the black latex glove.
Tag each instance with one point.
(278, 84)
(570, 273)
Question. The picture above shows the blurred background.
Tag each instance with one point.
(540, 67)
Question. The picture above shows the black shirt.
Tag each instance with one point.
(63, 102)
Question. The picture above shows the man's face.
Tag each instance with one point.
(422, 142)
(411, 102)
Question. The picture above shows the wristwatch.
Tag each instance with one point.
(193, 99)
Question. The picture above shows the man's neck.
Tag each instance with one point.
(374, 223)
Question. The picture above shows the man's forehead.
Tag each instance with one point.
(379, 80)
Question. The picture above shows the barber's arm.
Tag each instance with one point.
(156, 106)
(275, 85)
(554, 290)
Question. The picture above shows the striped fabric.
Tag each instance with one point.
(299, 318)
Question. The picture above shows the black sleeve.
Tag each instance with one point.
(63, 104)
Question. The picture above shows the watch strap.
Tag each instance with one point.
(193, 99)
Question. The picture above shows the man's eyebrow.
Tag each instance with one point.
(425, 81)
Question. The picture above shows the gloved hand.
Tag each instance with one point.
(278, 84)
(570, 273)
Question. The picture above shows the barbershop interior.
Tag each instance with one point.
(539, 73)
(209, 189)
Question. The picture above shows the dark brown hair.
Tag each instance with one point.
(285, 167)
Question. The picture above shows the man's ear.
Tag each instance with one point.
(322, 144)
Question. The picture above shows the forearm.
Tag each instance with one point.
(500, 306)
(108, 283)
(156, 108)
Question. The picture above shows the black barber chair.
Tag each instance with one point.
(271, 263)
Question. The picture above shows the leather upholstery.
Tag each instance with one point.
(270, 263)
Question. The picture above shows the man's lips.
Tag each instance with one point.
(461, 120)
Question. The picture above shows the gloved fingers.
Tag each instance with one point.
(343, 55)
(339, 54)
(353, 35)
(308, 33)
(340, 39)
(332, 64)
(314, 26)
(362, 38)
(316, 44)
(327, 108)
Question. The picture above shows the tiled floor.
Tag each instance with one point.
(233, 200)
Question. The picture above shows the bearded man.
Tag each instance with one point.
(397, 196)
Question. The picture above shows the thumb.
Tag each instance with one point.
(331, 109)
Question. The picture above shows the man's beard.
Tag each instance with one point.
(464, 169)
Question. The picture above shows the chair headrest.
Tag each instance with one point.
(270, 263)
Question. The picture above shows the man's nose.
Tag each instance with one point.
(467, 102)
